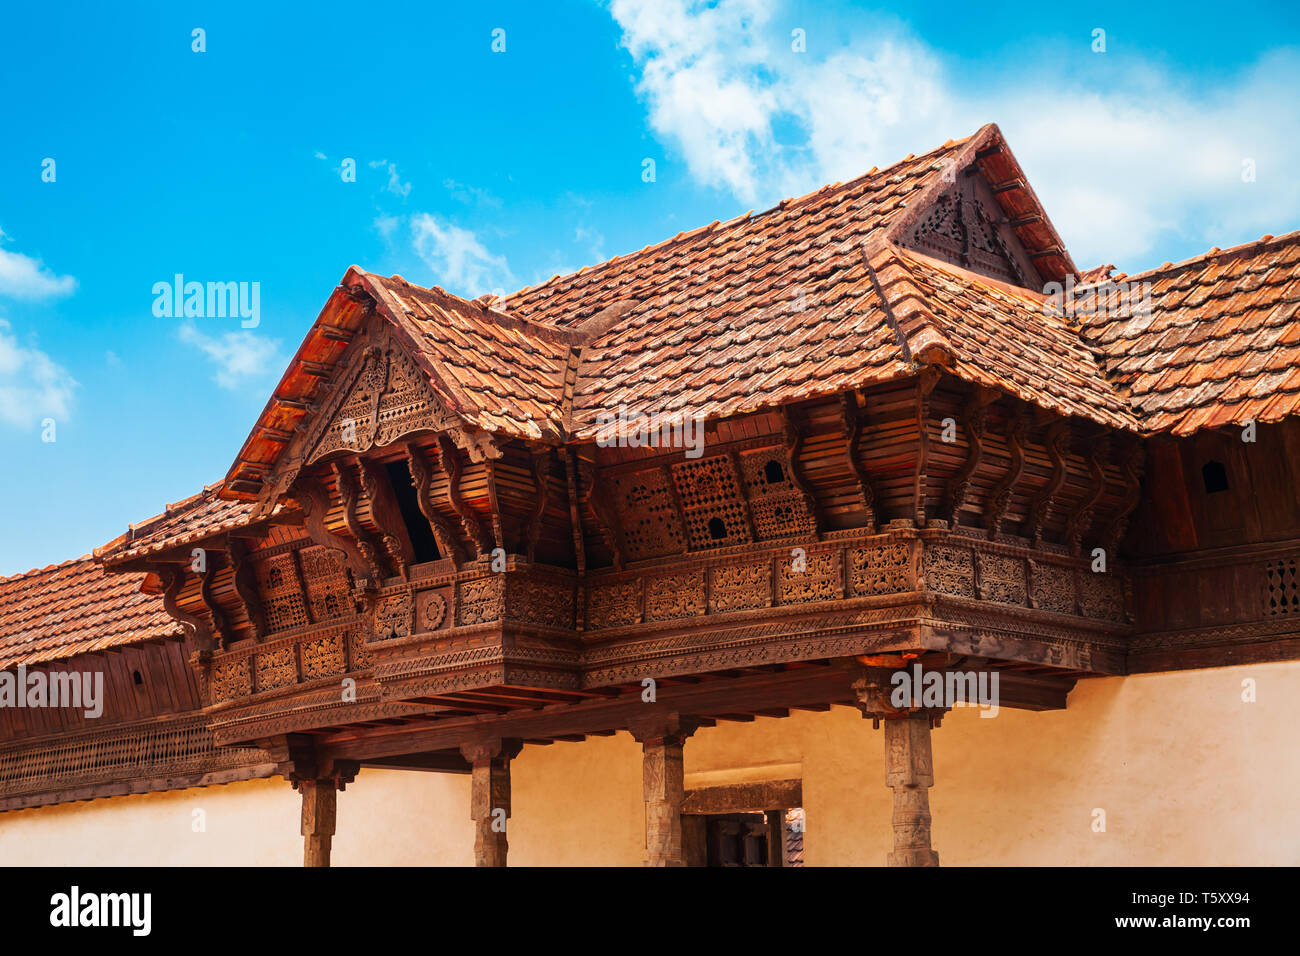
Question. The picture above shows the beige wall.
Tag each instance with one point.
(1186, 772)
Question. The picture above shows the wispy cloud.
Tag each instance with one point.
(23, 277)
(1121, 167)
(241, 358)
(395, 185)
(460, 262)
(32, 385)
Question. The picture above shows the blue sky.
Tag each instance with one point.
(486, 171)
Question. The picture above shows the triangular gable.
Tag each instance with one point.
(983, 216)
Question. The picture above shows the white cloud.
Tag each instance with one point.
(1122, 167)
(32, 386)
(459, 260)
(23, 277)
(394, 184)
(241, 357)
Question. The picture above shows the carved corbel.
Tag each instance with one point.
(173, 580)
(542, 484)
(387, 516)
(606, 523)
(575, 517)
(973, 421)
(365, 544)
(207, 578)
(1080, 520)
(422, 474)
(1132, 469)
(851, 421)
(451, 463)
(315, 503)
(1000, 495)
(246, 588)
(925, 385)
(1040, 509)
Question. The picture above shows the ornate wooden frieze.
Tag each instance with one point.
(545, 601)
(231, 680)
(613, 605)
(433, 609)
(740, 587)
(1101, 595)
(811, 577)
(479, 600)
(885, 569)
(673, 596)
(323, 656)
(277, 667)
(393, 615)
(310, 654)
(950, 569)
(1051, 587)
(1003, 579)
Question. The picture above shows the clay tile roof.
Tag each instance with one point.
(1220, 344)
(500, 372)
(190, 520)
(1006, 338)
(75, 608)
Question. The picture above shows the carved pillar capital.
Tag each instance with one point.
(663, 728)
(875, 695)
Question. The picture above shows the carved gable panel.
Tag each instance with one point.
(383, 395)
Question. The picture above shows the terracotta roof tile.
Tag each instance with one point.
(75, 608)
(1220, 345)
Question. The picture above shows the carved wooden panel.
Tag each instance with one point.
(711, 502)
(389, 397)
(1281, 587)
(651, 527)
(881, 570)
(675, 596)
(614, 605)
(327, 586)
(546, 602)
(282, 598)
(480, 600)
(393, 615)
(822, 579)
(950, 570)
(1002, 579)
(323, 657)
(742, 586)
(432, 610)
(1053, 587)
(276, 668)
(1101, 595)
(230, 680)
(776, 503)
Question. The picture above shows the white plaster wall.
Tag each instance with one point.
(1186, 772)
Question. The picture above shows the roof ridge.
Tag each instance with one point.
(720, 225)
(921, 336)
(1232, 252)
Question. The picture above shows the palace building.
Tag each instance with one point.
(448, 607)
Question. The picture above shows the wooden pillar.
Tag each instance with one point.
(489, 800)
(319, 788)
(909, 766)
(663, 786)
(909, 772)
(775, 837)
(319, 808)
